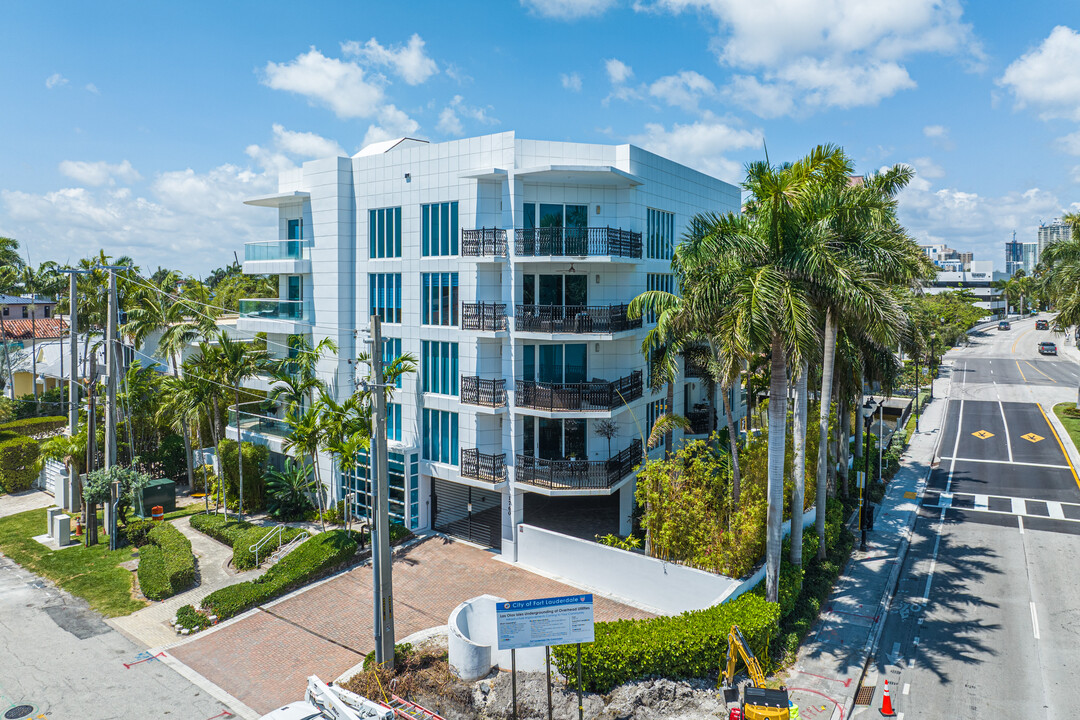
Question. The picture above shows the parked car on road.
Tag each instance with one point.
(1004, 325)
(1047, 348)
(1042, 325)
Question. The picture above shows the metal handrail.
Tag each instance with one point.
(265, 539)
(490, 392)
(574, 318)
(586, 396)
(578, 474)
(483, 242)
(577, 242)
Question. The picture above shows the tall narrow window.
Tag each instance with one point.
(384, 296)
(441, 436)
(295, 229)
(658, 281)
(391, 352)
(384, 233)
(439, 229)
(660, 232)
(393, 421)
(439, 367)
(439, 299)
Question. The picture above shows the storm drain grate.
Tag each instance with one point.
(18, 712)
(865, 695)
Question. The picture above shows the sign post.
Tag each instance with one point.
(542, 623)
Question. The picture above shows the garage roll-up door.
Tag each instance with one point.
(466, 512)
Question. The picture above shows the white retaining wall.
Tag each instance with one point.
(649, 583)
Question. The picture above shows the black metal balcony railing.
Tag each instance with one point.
(489, 392)
(573, 319)
(699, 421)
(578, 474)
(480, 466)
(576, 242)
(483, 316)
(695, 369)
(483, 242)
(588, 397)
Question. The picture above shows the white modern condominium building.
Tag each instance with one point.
(504, 266)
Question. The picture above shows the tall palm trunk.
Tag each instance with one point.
(733, 441)
(859, 420)
(187, 436)
(845, 443)
(777, 441)
(198, 439)
(798, 490)
(823, 430)
(671, 410)
(239, 453)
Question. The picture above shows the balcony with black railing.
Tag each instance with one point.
(572, 474)
(699, 421)
(488, 317)
(485, 242)
(577, 242)
(489, 392)
(576, 319)
(578, 397)
(481, 466)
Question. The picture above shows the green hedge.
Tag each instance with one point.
(308, 562)
(240, 536)
(18, 459)
(693, 644)
(35, 427)
(166, 565)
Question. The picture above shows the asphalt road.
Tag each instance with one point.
(986, 620)
(59, 660)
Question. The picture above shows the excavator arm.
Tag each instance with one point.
(738, 647)
(759, 702)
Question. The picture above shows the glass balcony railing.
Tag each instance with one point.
(262, 424)
(274, 309)
(274, 250)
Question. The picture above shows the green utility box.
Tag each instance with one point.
(158, 492)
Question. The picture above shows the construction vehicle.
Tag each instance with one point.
(758, 701)
(329, 702)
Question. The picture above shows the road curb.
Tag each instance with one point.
(870, 649)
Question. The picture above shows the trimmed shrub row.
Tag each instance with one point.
(693, 644)
(35, 427)
(317, 557)
(240, 536)
(18, 457)
(166, 565)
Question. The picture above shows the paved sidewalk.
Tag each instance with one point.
(151, 626)
(827, 673)
(16, 503)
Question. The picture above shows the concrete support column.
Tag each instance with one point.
(513, 513)
(626, 507)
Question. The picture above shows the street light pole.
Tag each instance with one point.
(380, 530)
(864, 499)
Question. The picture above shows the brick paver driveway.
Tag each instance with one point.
(264, 660)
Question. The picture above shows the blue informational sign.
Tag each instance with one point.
(545, 621)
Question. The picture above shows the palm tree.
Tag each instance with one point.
(9, 281)
(305, 439)
(239, 361)
(9, 253)
(1061, 279)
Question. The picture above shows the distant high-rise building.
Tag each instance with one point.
(1053, 232)
(945, 258)
(1032, 252)
(1014, 255)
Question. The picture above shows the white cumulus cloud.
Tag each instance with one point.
(567, 9)
(55, 80)
(618, 71)
(409, 61)
(1048, 77)
(99, 173)
(571, 82)
(684, 89)
(450, 122)
(826, 53)
(701, 145)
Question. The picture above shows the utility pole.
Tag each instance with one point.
(91, 451)
(113, 360)
(73, 322)
(380, 530)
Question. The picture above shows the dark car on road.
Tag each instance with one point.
(1047, 348)
(1042, 325)
(1004, 325)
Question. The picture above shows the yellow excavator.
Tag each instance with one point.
(758, 702)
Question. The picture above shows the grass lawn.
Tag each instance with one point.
(91, 573)
(1072, 424)
(185, 511)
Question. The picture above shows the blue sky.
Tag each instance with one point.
(140, 127)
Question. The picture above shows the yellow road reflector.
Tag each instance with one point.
(1032, 437)
(910, 495)
(983, 434)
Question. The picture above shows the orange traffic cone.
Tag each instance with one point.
(886, 702)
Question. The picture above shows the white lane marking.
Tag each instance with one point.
(1054, 508)
(947, 493)
(911, 662)
(916, 640)
(899, 716)
(1021, 519)
(1008, 442)
(1034, 620)
(907, 688)
(982, 502)
(1008, 462)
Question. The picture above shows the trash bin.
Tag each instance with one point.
(157, 492)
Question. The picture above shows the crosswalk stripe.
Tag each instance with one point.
(1055, 510)
(1017, 506)
(981, 502)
